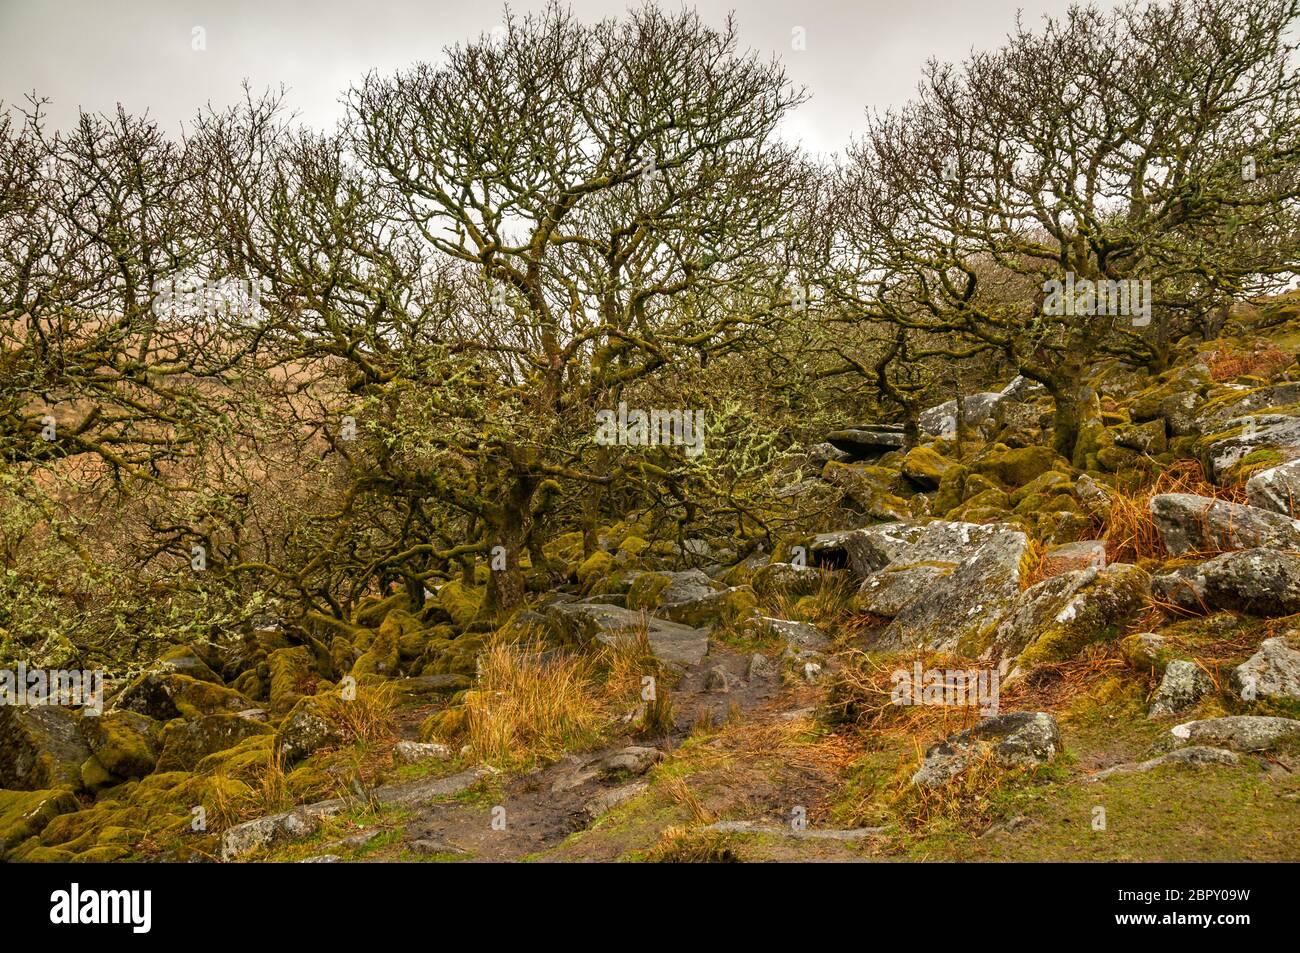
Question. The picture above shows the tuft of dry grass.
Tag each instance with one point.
(681, 845)
(368, 718)
(529, 706)
(1130, 530)
(1262, 361)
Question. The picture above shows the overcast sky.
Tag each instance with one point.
(94, 54)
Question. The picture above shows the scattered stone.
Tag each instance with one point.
(40, 748)
(759, 668)
(717, 680)
(1262, 582)
(670, 642)
(415, 752)
(322, 859)
(428, 846)
(1191, 524)
(1276, 489)
(1067, 557)
(1239, 732)
(635, 760)
(1184, 589)
(802, 635)
(1013, 740)
(1183, 685)
(785, 580)
(606, 801)
(1197, 754)
(798, 833)
(1273, 672)
(1146, 650)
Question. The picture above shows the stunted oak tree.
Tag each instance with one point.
(1155, 142)
(617, 193)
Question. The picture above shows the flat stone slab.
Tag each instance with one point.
(807, 833)
(1197, 754)
(671, 642)
(1239, 732)
(304, 820)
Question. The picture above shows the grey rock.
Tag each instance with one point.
(1183, 685)
(717, 680)
(606, 801)
(968, 602)
(414, 752)
(429, 846)
(803, 635)
(634, 759)
(796, 833)
(305, 730)
(864, 443)
(1262, 582)
(1190, 523)
(1277, 432)
(1273, 672)
(759, 668)
(888, 592)
(670, 642)
(785, 580)
(322, 859)
(1086, 602)
(1197, 754)
(1013, 740)
(40, 747)
(1276, 489)
(941, 420)
(1184, 588)
(1239, 732)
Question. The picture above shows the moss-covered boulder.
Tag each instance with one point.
(1054, 619)
(726, 607)
(373, 611)
(164, 696)
(40, 748)
(126, 743)
(594, 568)
(865, 492)
(186, 743)
(292, 677)
(461, 602)
(25, 814)
(183, 660)
(306, 729)
(1016, 466)
(925, 468)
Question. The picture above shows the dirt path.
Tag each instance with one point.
(538, 811)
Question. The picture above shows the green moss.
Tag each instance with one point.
(25, 814)
(594, 568)
(125, 743)
(645, 589)
(461, 602)
(1018, 466)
